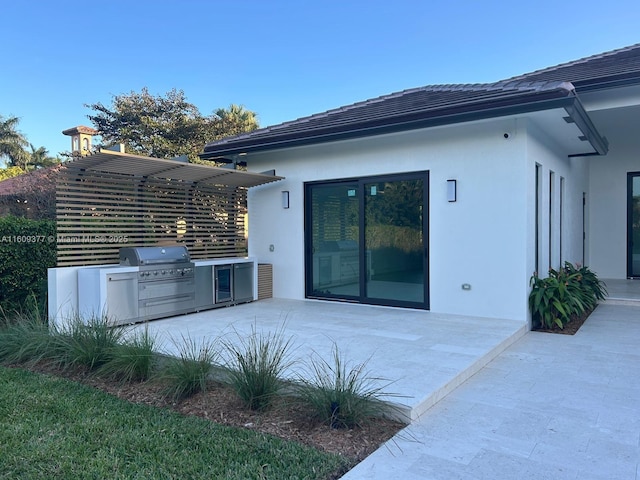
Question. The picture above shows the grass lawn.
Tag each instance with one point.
(54, 428)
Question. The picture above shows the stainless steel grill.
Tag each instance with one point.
(166, 280)
(148, 256)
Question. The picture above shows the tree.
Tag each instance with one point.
(39, 158)
(165, 126)
(10, 172)
(234, 121)
(12, 143)
(13, 147)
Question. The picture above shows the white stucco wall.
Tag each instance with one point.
(485, 239)
(608, 206)
(481, 239)
(541, 150)
(615, 113)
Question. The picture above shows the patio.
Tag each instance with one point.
(548, 407)
(423, 355)
(623, 292)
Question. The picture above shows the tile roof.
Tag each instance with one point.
(80, 129)
(397, 111)
(595, 70)
(438, 104)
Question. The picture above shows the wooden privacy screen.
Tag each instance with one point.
(97, 213)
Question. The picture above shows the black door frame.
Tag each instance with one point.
(361, 181)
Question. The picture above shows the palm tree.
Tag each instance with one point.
(40, 158)
(12, 143)
(235, 120)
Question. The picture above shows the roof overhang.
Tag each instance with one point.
(564, 101)
(608, 82)
(138, 166)
(578, 115)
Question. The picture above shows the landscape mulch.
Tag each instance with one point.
(571, 328)
(287, 419)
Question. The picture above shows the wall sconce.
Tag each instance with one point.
(285, 199)
(452, 190)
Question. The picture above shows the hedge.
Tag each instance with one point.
(27, 250)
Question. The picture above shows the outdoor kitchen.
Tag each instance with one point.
(143, 238)
(159, 282)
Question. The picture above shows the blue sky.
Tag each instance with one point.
(283, 59)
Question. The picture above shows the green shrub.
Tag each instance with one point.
(25, 338)
(589, 281)
(567, 292)
(255, 366)
(187, 374)
(342, 395)
(89, 344)
(132, 360)
(27, 250)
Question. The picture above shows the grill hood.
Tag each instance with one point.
(139, 256)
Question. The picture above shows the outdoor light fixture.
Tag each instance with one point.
(451, 190)
(285, 199)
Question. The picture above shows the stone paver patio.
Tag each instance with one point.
(487, 399)
(548, 407)
(423, 355)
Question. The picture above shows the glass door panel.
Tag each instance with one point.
(335, 253)
(394, 241)
(634, 225)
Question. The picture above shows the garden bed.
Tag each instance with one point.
(571, 328)
(287, 419)
(562, 301)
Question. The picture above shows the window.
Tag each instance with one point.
(537, 215)
(561, 220)
(551, 206)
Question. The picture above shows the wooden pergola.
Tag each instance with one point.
(109, 200)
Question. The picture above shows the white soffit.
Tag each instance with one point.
(565, 134)
(611, 99)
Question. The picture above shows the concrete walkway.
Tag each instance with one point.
(548, 407)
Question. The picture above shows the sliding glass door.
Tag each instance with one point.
(367, 240)
(333, 240)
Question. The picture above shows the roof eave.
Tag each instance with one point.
(607, 83)
(449, 117)
(581, 118)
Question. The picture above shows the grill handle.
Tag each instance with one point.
(155, 303)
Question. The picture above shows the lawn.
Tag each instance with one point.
(53, 428)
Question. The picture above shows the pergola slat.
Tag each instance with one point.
(105, 198)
